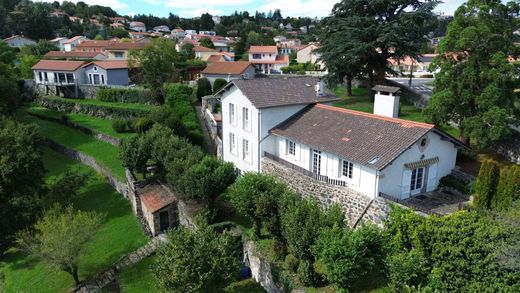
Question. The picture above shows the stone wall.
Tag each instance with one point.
(261, 270)
(357, 207)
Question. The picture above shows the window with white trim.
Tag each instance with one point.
(291, 147)
(231, 113)
(347, 169)
(245, 118)
(232, 143)
(245, 149)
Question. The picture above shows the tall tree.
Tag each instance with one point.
(59, 237)
(206, 22)
(157, 62)
(363, 35)
(475, 85)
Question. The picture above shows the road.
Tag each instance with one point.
(420, 85)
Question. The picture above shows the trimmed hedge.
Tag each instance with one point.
(125, 95)
(93, 109)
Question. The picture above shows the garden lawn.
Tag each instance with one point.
(119, 234)
(360, 101)
(94, 123)
(105, 153)
(138, 278)
(107, 104)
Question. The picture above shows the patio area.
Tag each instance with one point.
(437, 202)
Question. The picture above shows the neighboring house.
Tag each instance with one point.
(216, 58)
(121, 51)
(137, 26)
(161, 29)
(203, 53)
(419, 66)
(221, 44)
(107, 73)
(117, 25)
(74, 55)
(279, 38)
(60, 42)
(191, 32)
(93, 45)
(251, 108)
(372, 154)
(208, 33)
(76, 19)
(288, 46)
(19, 41)
(72, 43)
(267, 60)
(308, 53)
(178, 33)
(229, 71)
(138, 35)
(58, 73)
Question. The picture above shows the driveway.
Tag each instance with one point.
(419, 85)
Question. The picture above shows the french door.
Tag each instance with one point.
(316, 161)
(417, 181)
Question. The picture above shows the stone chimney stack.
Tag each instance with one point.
(386, 102)
(320, 88)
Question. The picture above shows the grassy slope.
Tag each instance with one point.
(94, 123)
(106, 154)
(107, 104)
(119, 234)
(360, 101)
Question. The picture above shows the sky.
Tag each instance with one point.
(190, 8)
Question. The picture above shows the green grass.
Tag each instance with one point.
(119, 234)
(105, 153)
(107, 104)
(360, 101)
(94, 123)
(138, 278)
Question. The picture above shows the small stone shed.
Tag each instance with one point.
(159, 208)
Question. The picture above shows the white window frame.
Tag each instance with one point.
(291, 148)
(246, 119)
(232, 113)
(346, 167)
(232, 143)
(245, 150)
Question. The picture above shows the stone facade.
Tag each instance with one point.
(358, 208)
(261, 270)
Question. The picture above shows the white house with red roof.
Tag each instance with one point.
(72, 43)
(267, 60)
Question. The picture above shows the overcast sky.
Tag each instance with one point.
(189, 8)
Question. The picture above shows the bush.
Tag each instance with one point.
(291, 263)
(486, 184)
(407, 269)
(451, 181)
(141, 125)
(218, 84)
(203, 88)
(119, 125)
(125, 95)
(167, 117)
(508, 189)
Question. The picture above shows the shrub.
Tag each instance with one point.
(141, 125)
(407, 269)
(486, 184)
(508, 189)
(451, 181)
(291, 263)
(167, 117)
(119, 125)
(125, 95)
(203, 88)
(218, 84)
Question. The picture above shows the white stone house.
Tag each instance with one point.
(308, 53)
(372, 154)
(60, 42)
(137, 26)
(267, 60)
(71, 44)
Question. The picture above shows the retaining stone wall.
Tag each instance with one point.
(261, 270)
(356, 206)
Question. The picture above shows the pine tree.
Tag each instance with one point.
(508, 188)
(486, 185)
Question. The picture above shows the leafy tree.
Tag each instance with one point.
(206, 180)
(7, 54)
(21, 177)
(119, 33)
(134, 153)
(407, 269)
(9, 89)
(361, 36)
(167, 117)
(203, 88)
(65, 188)
(187, 52)
(474, 87)
(197, 260)
(206, 22)
(39, 49)
(59, 237)
(26, 64)
(157, 62)
(349, 255)
(218, 84)
(486, 184)
(207, 42)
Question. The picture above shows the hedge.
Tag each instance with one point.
(93, 108)
(179, 99)
(126, 95)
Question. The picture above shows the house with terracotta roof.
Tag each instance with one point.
(418, 66)
(93, 45)
(18, 41)
(203, 53)
(309, 53)
(158, 207)
(288, 123)
(113, 72)
(137, 26)
(74, 55)
(60, 42)
(228, 71)
(121, 50)
(72, 43)
(287, 46)
(58, 72)
(267, 60)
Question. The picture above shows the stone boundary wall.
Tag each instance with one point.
(261, 270)
(94, 133)
(357, 207)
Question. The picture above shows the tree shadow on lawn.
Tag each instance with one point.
(18, 260)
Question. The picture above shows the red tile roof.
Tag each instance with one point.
(203, 49)
(71, 54)
(215, 58)
(263, 49)
(94, 43)
(71, 40)
(237, 67)
(155, 197)
(116, 64)
(58, 65)
(126, 46)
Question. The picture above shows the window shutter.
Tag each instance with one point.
(432, 177)
(283, 146)
(405, 185)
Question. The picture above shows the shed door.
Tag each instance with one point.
(164, 221)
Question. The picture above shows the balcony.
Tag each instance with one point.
(318, 177)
